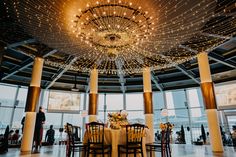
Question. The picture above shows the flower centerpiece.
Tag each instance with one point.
(165, 126)
(118, 119)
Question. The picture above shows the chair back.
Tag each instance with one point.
(77, 133)
(70, 132)
(95, 133)
(134, 134)
(165, 136)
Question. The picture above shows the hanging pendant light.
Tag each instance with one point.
(75, 88)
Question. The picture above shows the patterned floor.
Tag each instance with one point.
(177, 151)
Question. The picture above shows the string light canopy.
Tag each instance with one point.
(119, 36)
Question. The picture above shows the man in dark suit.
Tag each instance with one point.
(50, 136)
(38, 131)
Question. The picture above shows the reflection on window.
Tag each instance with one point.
(194, 103)
(170, 104)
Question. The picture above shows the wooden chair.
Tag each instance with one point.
(95, 135)
(134, 138)
(163, 147)
(73, 145)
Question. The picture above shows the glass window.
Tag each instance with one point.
(158, 100)
(101, 102)
(114, 102)
(194, 103)
(74, 119)
(53, 119)
(22, 96)
(5, 116)
(7, 95)
(45, 95)
(18, 115)
(170, 103)
(134, 101)
(136, 117)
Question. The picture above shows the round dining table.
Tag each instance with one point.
(118, 136)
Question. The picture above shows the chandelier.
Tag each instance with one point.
(122, 36)
(113, 27)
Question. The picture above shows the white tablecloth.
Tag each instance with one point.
(116, 137)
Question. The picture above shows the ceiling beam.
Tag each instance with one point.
(21, 43)
(216, 57)
(188, 48)
(61, 71)
(155, 80)
(19, 51)
(213, 48)
(215, 35)
(28, 62)
(189, 73)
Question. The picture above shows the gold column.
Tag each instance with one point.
(31, 103)
(208, 94)
(93, 96)
(147, 97)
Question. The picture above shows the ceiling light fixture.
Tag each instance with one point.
(75, 88)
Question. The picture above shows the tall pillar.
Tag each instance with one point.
(208, 93)
(93, 96)
(31, 104)
(147, 96)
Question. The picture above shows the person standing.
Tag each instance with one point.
(22, 123)
(233, 135)
(49, 138)
(38, 131)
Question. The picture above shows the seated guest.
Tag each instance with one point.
(11, 132)
(15, 137)
(49, 138)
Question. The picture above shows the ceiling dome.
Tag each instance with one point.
(118, 36)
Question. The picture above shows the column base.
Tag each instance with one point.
(218, 151)
(149, 123)
(28, 134)
(25, 152)
(214, 130)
